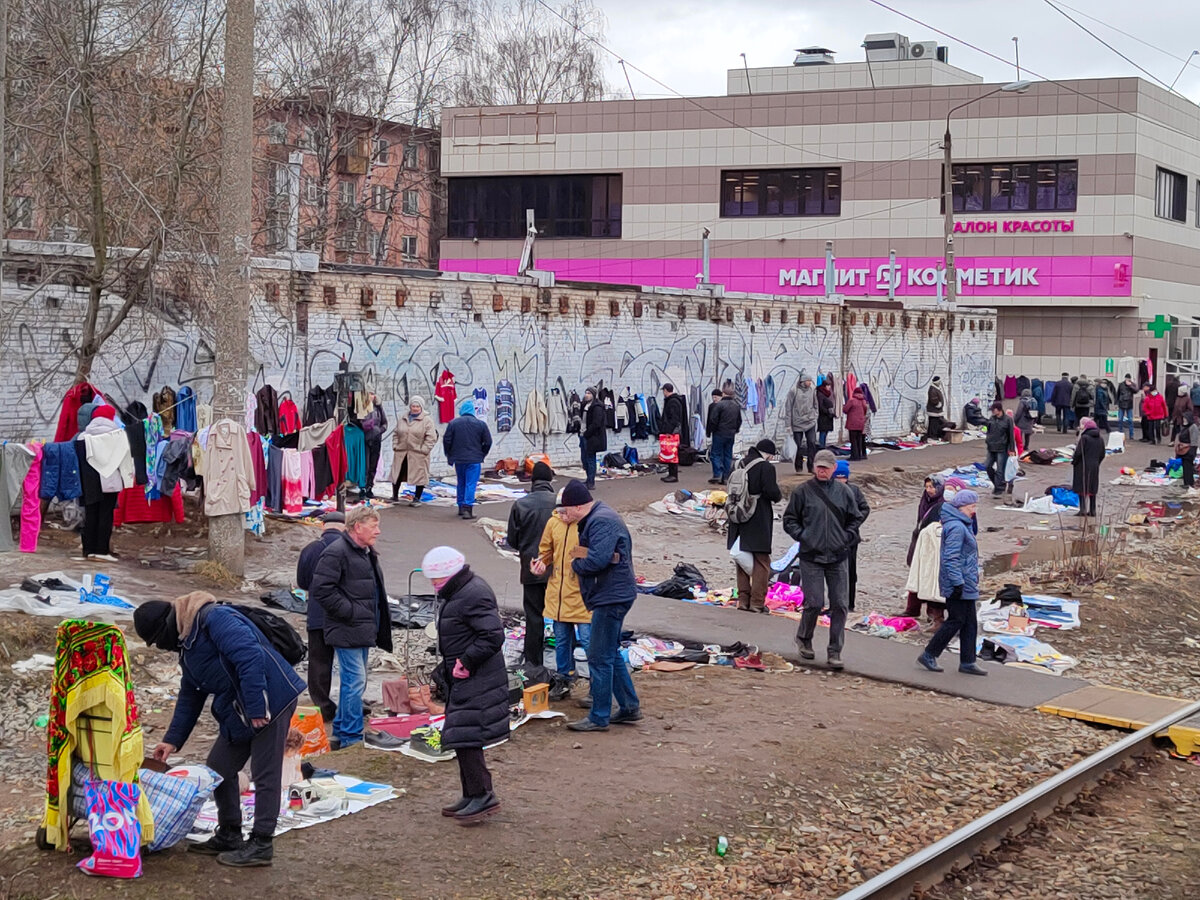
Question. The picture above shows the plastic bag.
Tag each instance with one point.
(745, 561)
(1010, 469)
(114, 828)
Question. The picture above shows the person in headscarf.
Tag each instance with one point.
(412, 441)
(224, 655)
(929, 509)
(1089, 453)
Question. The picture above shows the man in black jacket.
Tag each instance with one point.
(526, 522)
(754, 536)
(593, 438)
(1060, 399)
(348, 586)
(1001, 444)
(320, 654)
(724, 422)
(674, 421)
(1126, 391)
(824, 517)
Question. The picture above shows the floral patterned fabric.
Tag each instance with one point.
(91, 675)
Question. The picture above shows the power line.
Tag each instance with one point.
(1132, 37)
(1066, 15)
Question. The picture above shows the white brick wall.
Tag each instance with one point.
(401, 349)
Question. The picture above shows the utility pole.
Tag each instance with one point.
(226, 539)
(948, 256)
(3, 129)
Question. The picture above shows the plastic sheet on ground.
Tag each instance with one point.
(686, 503)
(497, 535)
(60, 603)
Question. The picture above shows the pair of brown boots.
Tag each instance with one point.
(402, 699)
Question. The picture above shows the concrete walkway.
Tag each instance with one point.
(408, 533)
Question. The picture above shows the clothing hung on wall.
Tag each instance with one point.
(480, 396)
(506, 405)
(163, 403)
(445, 394)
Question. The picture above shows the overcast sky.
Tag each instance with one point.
(689, 44)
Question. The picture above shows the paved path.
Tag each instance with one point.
(408, 533)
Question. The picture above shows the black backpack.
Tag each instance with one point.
(283, 637)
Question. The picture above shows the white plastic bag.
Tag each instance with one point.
(745, 561)
(1010, 469)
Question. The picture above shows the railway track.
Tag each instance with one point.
(929, 866)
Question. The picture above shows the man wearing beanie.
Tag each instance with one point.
(224, 655)
(754, 535)
(604, 563)
(467, 441)
(824, 518)
(958, 581)
(526, 522)
(1001, 443)
(320, 654)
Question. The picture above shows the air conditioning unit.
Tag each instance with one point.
(887, 47)
(923, 50)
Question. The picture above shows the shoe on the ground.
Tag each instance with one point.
(626, 718)
(714, 481)
(258, 851)
(427, 744)
(414, 503)
(455, 808)
(381, 740)
(335, 744)
(973, 669)
(929, 662)
(669, 479)
(584, 702)
(586, 725)
(462, 512)
(562, 692)
(107, 557)
(591, 485)
(478, 809)
(223, 840)
(805, 648)
(470, 513)
(835, 661)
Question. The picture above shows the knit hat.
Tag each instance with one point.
(84, 415)
(1087, 422)
(767, 446)
(937, 379)
(542, 472)
(466, 408)
(442, 562)
(964, 498)
(417, 401)
(575, 494)
(154, 622)
(103, 411)
(804, 375)
(825, 460)
(842, 469)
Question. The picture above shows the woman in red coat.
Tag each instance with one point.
(1154, 413)
(855, 412)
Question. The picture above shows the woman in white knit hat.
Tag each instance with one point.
(470, 641)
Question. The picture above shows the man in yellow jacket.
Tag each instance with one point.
(564, 603)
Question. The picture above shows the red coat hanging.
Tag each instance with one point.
(446, 396)
(289, 416)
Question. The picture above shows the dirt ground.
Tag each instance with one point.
(816, 781)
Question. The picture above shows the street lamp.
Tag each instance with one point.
(1015, 87)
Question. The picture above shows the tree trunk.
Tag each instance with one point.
(226, 541)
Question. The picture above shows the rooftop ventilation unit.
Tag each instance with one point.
(887, 47)
(923, 50)
(813, 56)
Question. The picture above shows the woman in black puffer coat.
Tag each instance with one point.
(470, 641)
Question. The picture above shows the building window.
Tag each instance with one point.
(374, 243)
(310, 139)
(277, 133)
(1170, 195)
(314, 191)
(381, 151)
(564, 206)
(408, 247)
(380, 198)
(20, 213)
(411, 201)
(410, 156)
(1016, 187)
(309, 238)
(781, 192)
(347, 194)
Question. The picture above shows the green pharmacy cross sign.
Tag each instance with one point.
(1160, 326)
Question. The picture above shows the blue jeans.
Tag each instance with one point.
(352, 671)
(589, 463)
(822, 437)
(609, 675)
(568, 635)
(1125, 421)
(467, 478)
(722, 456)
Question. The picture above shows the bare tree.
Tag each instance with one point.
(109, 103)
(521, 53)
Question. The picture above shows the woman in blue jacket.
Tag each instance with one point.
(224, 655)
(958, 580)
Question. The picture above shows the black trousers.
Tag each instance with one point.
(320, 675)
(476, 779)
(852, 575)
(1188, 461)
(98, 525)
(373, 448)
(1155, 430)
(534, 596)
(961, 620)
(673, 470)
(265, 754)
(858, 445)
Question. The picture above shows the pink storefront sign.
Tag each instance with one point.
(982, 276)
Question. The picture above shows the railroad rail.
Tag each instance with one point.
(928, 867)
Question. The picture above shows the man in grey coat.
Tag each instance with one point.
(800, 412)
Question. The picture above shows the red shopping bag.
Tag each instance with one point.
(668, 448)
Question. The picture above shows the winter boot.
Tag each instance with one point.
(478, 809)
(805, 648)
(258, 851)
(224, 839)
(455, 808)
